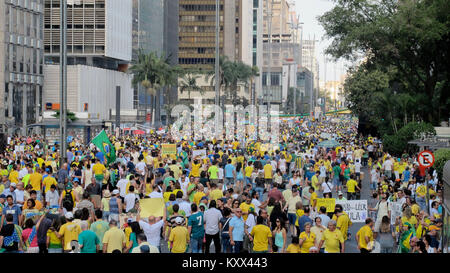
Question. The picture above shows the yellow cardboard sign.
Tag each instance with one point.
(329, 203)
(152, 207)
(169, 149)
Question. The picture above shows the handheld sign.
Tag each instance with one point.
(426, 160)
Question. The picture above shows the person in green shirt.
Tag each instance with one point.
(99, 227)
(213, 171)
(336, 173)
(87, 239)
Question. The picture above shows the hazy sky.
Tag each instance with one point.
(308, 10)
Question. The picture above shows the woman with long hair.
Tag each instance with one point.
(279, 235)
(54, 244)
(277, 212)
(135, 231)
(386, 236)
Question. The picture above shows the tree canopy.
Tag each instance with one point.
(404, 75)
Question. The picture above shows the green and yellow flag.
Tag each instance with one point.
(101, 141)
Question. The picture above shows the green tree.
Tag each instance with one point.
(70, 116)
(189, 83)
(397, 143)
(441, 156)
(154, 72)
(409, 37)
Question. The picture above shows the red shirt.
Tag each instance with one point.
(276, 194)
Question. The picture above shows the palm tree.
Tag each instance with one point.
(189, 83)
(230, 75)
(154, 72)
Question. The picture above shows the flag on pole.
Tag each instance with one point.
(101, 141)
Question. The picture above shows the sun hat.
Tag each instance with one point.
(107, 194)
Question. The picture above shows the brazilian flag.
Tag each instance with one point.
(104, 145)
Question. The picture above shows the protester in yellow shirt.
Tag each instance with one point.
(68, 232)
(352, 185)
(260, 235)
(179, 237)
(333, 239)
(364, 236)
(307, 239)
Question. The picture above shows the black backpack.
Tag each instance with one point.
(68, 199)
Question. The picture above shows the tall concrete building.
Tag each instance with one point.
(309, 61)
(99, 49)
(21, 59)
(197, 38)
(281, 53)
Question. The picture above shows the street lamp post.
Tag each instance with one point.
(296, 26)
(63, 82)
(217, 67)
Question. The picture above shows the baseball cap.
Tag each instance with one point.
(251, 209)
(76, 180)
(69, 215)
(339, 193)
(2, 196)
(12, 185)
(204, 198)
(115, 192)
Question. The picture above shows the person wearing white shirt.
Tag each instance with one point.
(122, 186)
(212, 218)
(327, 187)
(130, 199)
(52, 197)
(20, 194)
(248, 227)
(387, 166)
(156, 193)
(152, 229)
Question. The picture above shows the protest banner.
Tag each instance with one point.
(168, 149)
(396, 211)
(152, 207)
(201, 153)
(329, 203)
(356, 209)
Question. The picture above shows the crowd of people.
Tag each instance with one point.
(240, 197)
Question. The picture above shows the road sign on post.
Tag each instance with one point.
(426, 160)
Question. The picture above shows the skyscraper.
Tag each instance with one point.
(197, 38)
(99, 49)
(21, 59)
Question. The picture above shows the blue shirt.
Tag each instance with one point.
(196, 221)
(238, 228)
(229, 168)
(14, 210)
(100, 157)
(89, 240)
(302, 221)
(406, 175)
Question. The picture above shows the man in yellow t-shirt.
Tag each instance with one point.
(260, 236)
(199, 194)
(14, 174)
(99, 171)
(352, 185)
(343, 222)
(215, 192)
(195, 172)
(364, 237)
(333, 239)
(69, 232)
(114, 238)
(179, 237)
(36, 181)
(48, 182)
(245, 206)
(248, 173)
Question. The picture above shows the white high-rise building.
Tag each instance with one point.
(99, 50)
